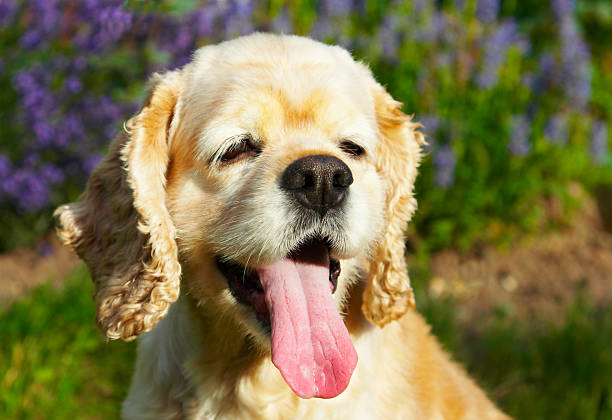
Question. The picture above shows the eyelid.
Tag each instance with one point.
(361, 141)
(228, 144)
(347, 142)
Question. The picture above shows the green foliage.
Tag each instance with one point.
(54, 363)
(535, 370)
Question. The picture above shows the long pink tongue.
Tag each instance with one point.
(310, 343)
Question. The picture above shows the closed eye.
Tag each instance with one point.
(242, 149)
(352, 148)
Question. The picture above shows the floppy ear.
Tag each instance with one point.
(388, 294)
(120, 225)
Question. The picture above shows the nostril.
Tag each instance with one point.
(342, 179)
(309, 181)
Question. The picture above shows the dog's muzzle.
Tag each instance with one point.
(317, 182)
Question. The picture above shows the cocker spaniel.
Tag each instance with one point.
(249, 221)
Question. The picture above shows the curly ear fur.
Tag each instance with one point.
(120, 226)
(388, 294)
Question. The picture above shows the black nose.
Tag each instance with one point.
(318, 182)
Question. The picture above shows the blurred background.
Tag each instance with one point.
(510, 251)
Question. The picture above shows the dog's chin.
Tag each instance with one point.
(246, 288)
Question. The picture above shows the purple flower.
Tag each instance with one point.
(336, 7)
(389, 37)
(39, 105)
(238, 19)
(444, 163)
(575, 58)
(282, 23)
(79, 63)
(107, 23)
(546, 75)
(495, 53)
(185, 39)
(599, 141)
(45, 134)
(28, 188)
(51, 173)
(24, 80)
(30, 160)
(70, 129)
(487, 10)
(418, 6)
(31, 39)
(430, 124)
(73, 84)
(519, 144)
(34, 193)
(562, 8)
(44, 16)
(444, 59)
(90, 162)
(47, 13)
(528, 80)
(322, 29)
(7, 10)
(5, 166)
(204, 20)
(557, 130)
(435, 28)
(60, 63)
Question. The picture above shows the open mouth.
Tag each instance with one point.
(293, 299)
(245, 285)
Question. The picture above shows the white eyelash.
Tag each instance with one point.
(229, 143)
(216, 140)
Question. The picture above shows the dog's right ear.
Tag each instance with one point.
(120, 225)
(388, 294)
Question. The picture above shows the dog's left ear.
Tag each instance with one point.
(120, 225)
(388, 294)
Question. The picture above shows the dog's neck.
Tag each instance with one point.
(224, 361)
(203, 362)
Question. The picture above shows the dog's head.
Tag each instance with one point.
(273, 171)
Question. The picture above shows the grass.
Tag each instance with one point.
(536, 370)
(55, 365)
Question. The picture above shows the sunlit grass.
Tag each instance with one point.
(55, 365)
(536, 369)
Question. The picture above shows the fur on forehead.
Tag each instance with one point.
(273, 55)
(271, 86)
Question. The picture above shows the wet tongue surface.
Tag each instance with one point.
(310, 343)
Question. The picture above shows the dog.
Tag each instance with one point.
(249, 224)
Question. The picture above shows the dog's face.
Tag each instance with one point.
(276, 156)
(277, 172)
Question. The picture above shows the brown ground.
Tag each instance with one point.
(539, 277)
(24, 269)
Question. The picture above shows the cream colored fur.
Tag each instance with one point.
(161, 205)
